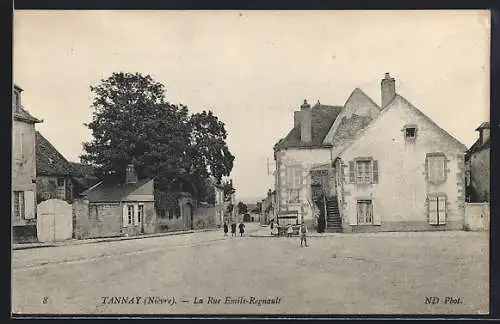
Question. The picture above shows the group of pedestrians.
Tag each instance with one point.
(233, 229)
(289, 232)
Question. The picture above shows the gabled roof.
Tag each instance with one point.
(49, 161)
(348, 128)
(322, 118)
(392, 104)
(358, 110)
(112, 189)
(23, 115)
(483, 126)
(479, 146)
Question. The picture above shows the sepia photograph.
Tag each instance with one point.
(260, 162)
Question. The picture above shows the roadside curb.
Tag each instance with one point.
(109, 239)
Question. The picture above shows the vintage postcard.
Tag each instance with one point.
(250, 162)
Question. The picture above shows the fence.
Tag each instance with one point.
(477, 216)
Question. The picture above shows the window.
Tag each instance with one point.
(365, 212)
(130, 214)
(140, 213)
(18, 142)
(436, 164)
(294, 195)
(410, 132)
(294, 176)
(60, 182)
(437, 209)
(363, 171)
(19, 211)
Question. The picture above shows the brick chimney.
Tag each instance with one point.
(388, 87)
(305, 122)
(130, 175)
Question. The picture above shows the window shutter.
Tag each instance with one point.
(136, 215)
(352, 172)
(125, 215)
(353, 215)
(441, 206)
(377, 218)
(433, 219)
(29, 204)
(375, 171)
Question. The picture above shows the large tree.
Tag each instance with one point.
(134, 123)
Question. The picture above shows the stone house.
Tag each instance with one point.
(268, 207)
(335, 163)
(304, 175)
(23, 163)
(54, 174)
(477, 162)
(402, 173)
(114, 207)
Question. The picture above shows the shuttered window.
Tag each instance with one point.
(436, 168)
(294, 176)
(363, 171)
(130, 214)
(437, 209)
(140, 213)
(19, 210)
(365, 212)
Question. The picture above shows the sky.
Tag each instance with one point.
(253, 69)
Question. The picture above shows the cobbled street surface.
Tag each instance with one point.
(385, 273)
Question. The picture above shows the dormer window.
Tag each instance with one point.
(410, 132)
(16, 100)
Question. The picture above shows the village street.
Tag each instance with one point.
(386, 273)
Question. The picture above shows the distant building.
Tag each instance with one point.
(478, 166)
(23, 170)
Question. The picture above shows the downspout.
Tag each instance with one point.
(324, 207)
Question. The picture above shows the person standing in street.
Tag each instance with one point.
(226, 229)
(242, 229)
(303, 233)
(289, 230)
(233, 229)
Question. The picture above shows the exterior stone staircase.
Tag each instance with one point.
(333, 221)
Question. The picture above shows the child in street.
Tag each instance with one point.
(233, 229)
(303, 232)
(226, 229)
(242, 229)
(289, 230)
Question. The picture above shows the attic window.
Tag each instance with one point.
(410, 132)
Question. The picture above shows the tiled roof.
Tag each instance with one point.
(112, 190)
(49, 161)
(348, 128)
(24, 115)
(478, 146)
(483, 125)
(322, 118)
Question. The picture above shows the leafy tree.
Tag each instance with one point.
(134, 124)
(242, 208)
(228, 188)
